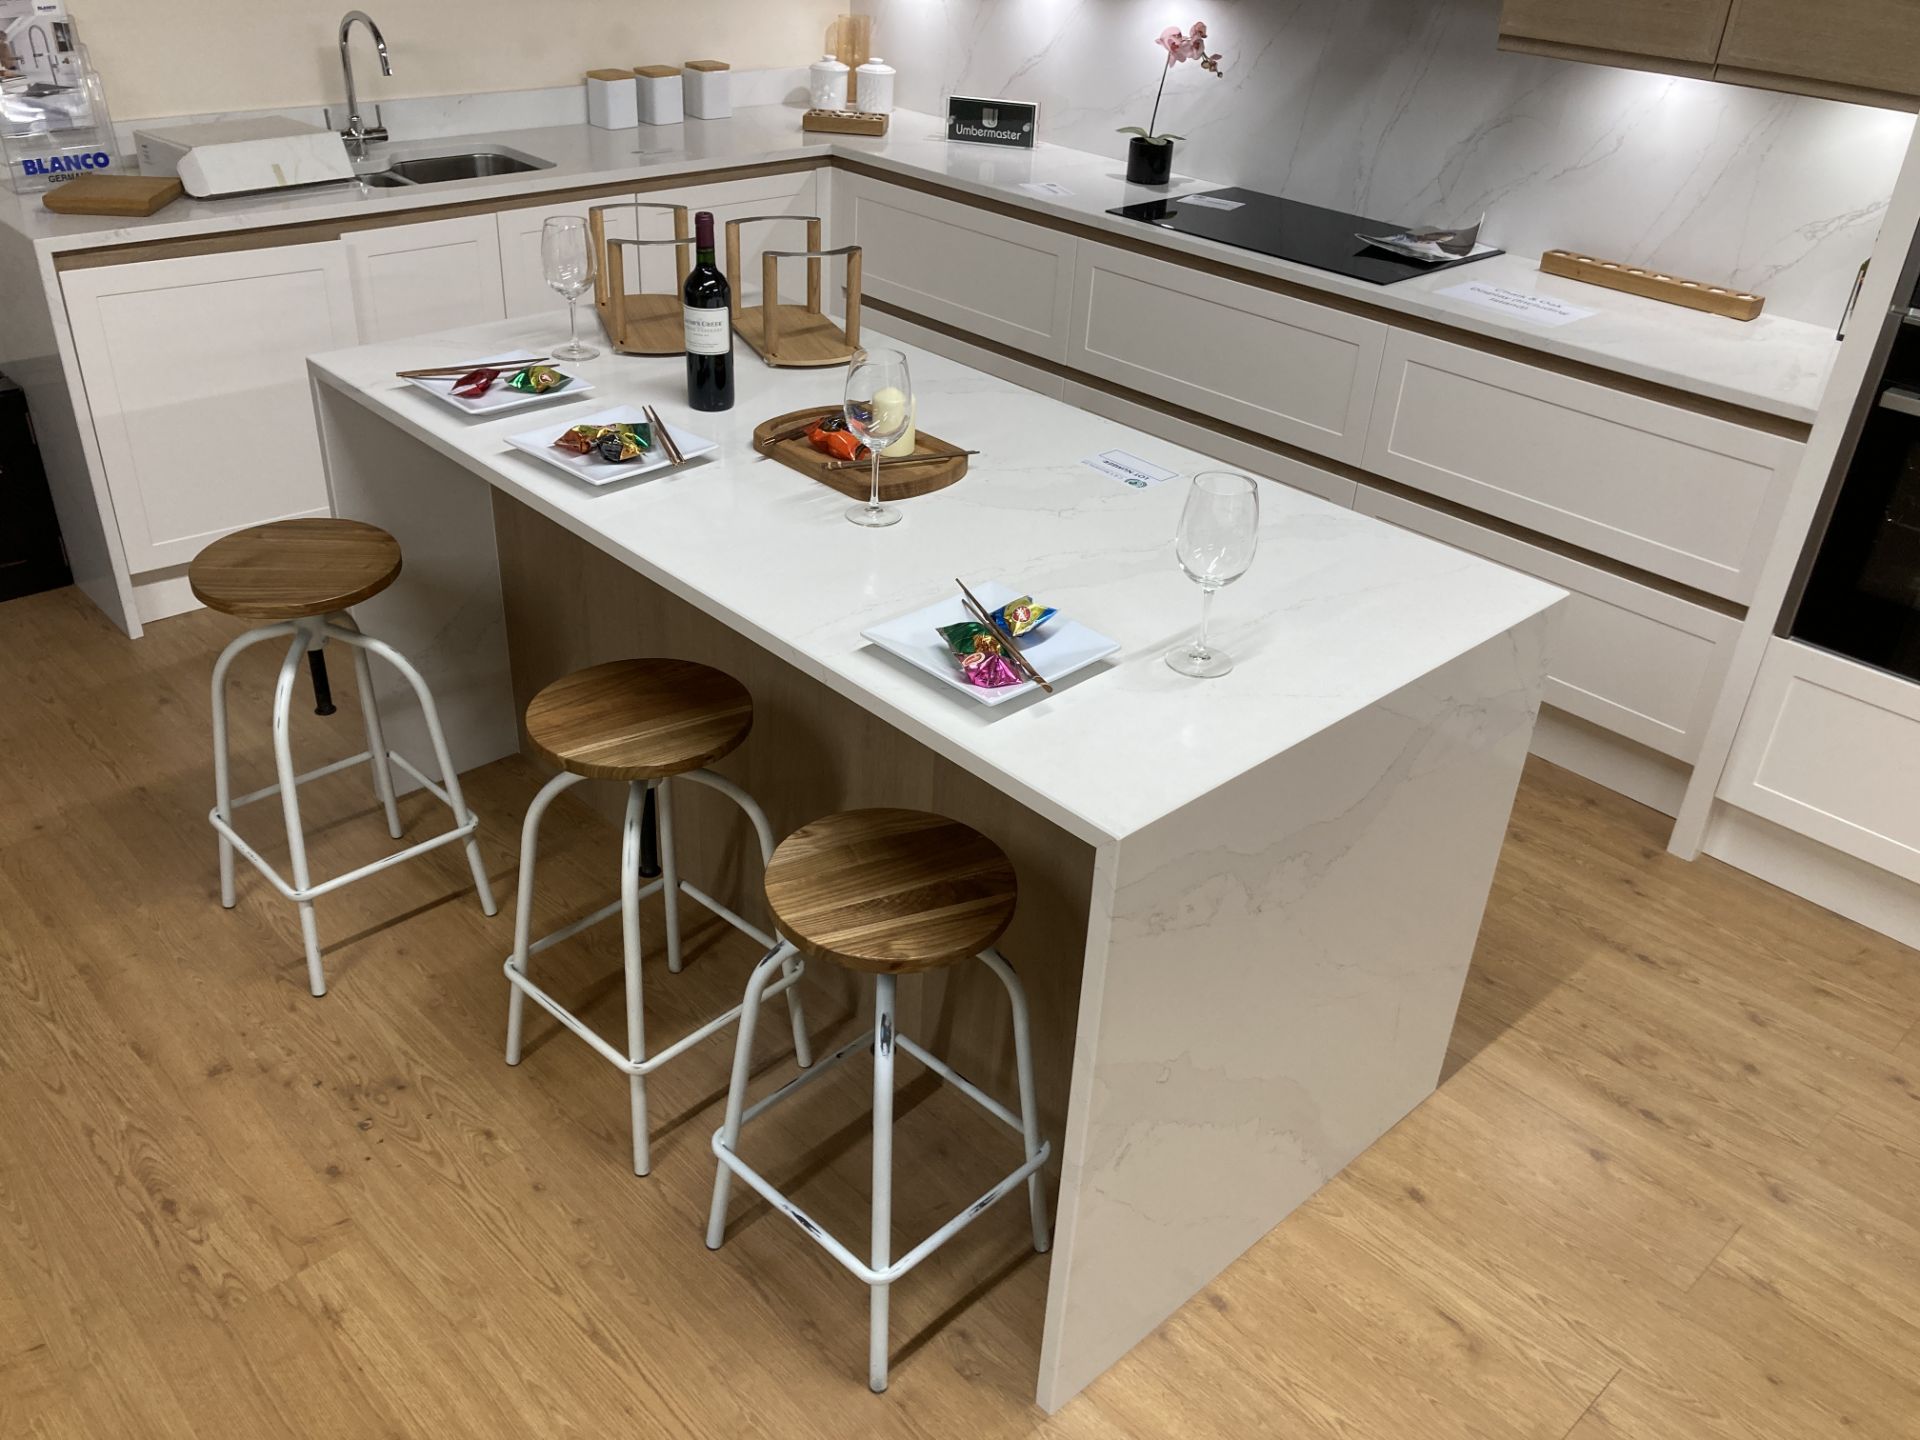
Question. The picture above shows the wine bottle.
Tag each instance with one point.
(709, 323)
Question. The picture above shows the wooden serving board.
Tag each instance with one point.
(113, 195)
(897, 482)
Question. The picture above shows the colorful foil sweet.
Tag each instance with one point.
(1017, 617)
(624, 442)
(475, 383)
(581, 439)
(979, 654)
(832, 436)
(539, 379)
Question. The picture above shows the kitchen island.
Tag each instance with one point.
(1247, 904)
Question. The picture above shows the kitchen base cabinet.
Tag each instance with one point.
(792, 193)
(1684, 495)
(984, 273)
(196, 373)
(1631, 659)
(1269, 363)
(417, 279)
(1830, 748)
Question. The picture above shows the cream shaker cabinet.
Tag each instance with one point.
(416, 279)
(196, 372)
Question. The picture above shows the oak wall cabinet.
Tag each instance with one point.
(1866, 51)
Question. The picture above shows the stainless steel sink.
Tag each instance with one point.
(437, 169)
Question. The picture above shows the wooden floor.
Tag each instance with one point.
(1670, 1187)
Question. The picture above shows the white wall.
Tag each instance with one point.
(212, 55)
(1405, 110)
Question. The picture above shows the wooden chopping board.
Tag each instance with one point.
(113, 195)
(897, 482)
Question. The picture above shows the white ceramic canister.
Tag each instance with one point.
(708, 89)
(660, 102)
(874, 90)
(828, 83)
(613, 102)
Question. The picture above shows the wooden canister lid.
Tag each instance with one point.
(614, 75)
(656, 72)
(706, 65)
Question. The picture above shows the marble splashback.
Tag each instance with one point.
(1404, 109)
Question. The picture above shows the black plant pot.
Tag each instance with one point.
(1149, 163)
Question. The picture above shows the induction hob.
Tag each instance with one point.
(1289, 230)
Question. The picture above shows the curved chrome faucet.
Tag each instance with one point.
(357, 134)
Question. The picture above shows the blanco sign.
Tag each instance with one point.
(1534, 309)
(1130, 469)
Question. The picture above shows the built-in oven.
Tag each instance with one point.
(1859, 583)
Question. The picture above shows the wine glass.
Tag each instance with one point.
(1218, 531)
(568, 261)
(879, 408)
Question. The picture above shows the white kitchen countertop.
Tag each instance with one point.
(1337, 612)
(1774, 365)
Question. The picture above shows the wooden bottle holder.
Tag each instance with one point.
(640, 323)
(795, 335)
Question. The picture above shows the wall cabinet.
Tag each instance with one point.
(785, 194)
(1684, 495)
(982, 272)
(416, 279)
(196, 373)
(1861, 50)
(1282, 367)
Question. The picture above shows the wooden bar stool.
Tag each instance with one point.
(301, 575)
(889, 892)
(645, 722)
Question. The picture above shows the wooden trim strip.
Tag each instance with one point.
(1355, 473)
(309, 232)
(1577, 369)
(1813, 85)
(1598, 55)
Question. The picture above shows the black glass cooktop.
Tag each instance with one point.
(1306, 234)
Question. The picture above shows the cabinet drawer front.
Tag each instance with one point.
(417, 279)
(1681, 494)
(1685, 30)
(1282, 367)
(1636, 661)
(1831, 749)
(1001, 279)
(1868, 44)
(196, 374)
(527, 292)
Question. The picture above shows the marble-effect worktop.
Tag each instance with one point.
(1774, 365)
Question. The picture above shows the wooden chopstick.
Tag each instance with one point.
(1019, 656)
(666, 436)
(885, 460)
(439, 370)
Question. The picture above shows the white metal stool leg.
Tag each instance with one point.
(222, 776)
(304, 639)
(449, 779)
(370, 718)
(883, 1013)
(728, 1136)
(630, 952)
(669, 870)
(1029, 1108)
(523, 909)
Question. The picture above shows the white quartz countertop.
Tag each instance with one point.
(1338, 611)
(1774, 365)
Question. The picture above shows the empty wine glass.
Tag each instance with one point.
(1218, 531)
(568, 261)
(879, 408)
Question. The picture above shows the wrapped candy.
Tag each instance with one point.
(475, 383)
(979, 654)
(832, 436)
(538, 379)
(1017, 617)
(625, 442)
(581, 439)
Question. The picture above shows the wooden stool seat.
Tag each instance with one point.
(293, 569)
(890, 892)
(639, 719)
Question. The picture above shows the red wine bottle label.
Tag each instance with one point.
(709, 332)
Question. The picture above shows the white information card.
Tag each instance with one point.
(1128, 468)
(1534, 309)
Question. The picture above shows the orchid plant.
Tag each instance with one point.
(1179, 48)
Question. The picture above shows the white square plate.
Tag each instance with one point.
(502, 397)
(1057, 648)
(591, 468)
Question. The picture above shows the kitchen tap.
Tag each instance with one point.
(357, 134)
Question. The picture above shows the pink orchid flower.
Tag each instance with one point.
(1180, 48)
